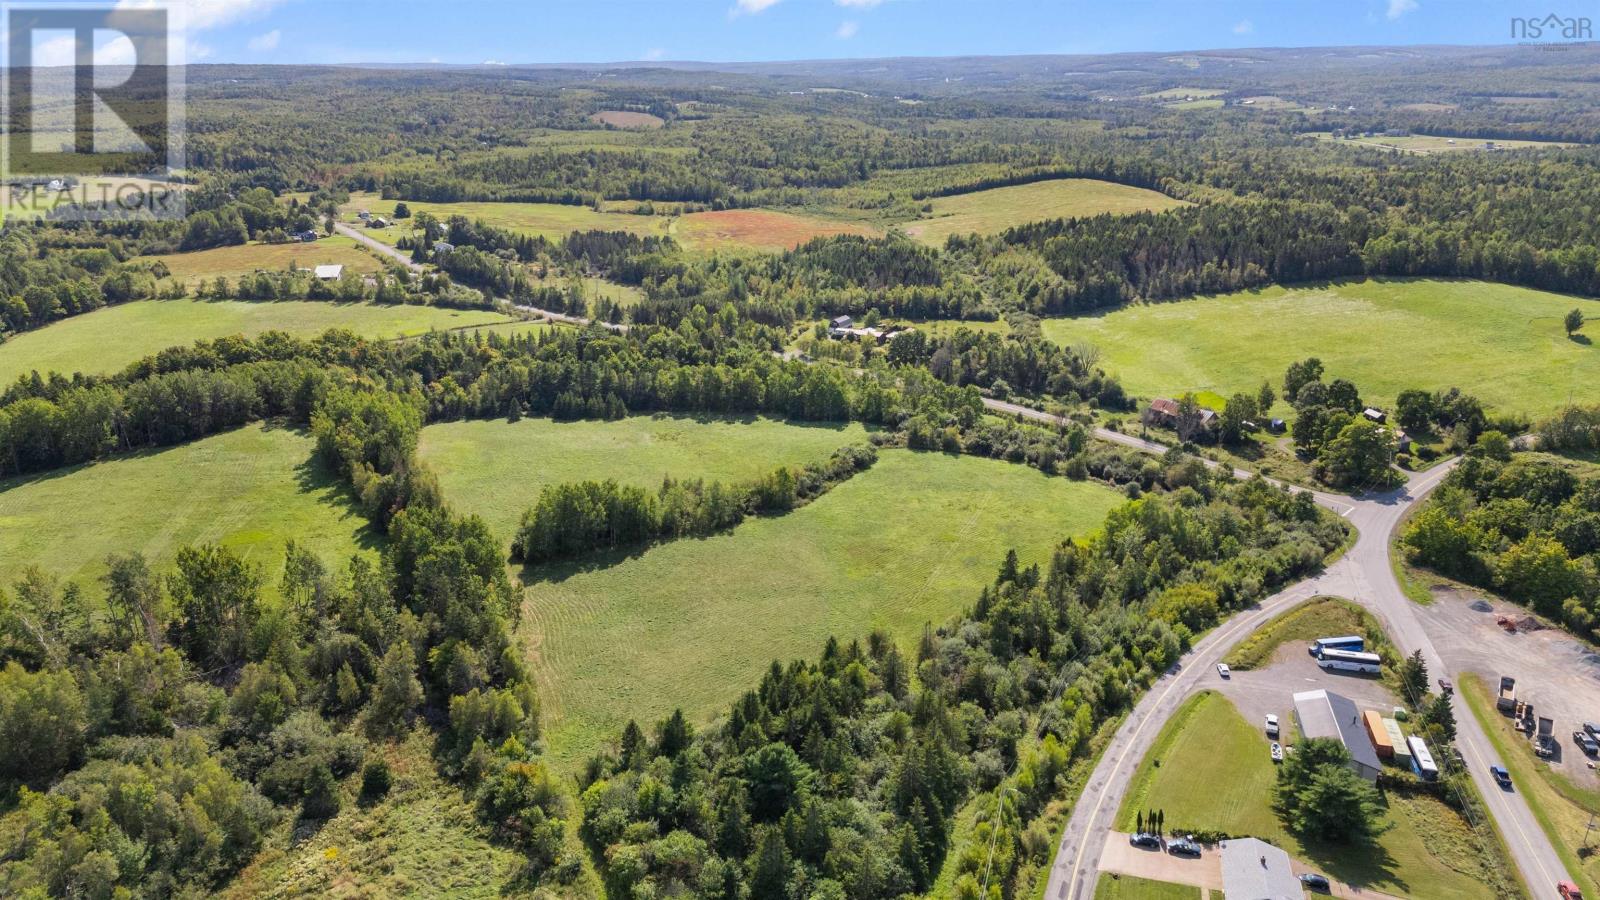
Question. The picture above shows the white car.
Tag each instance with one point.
(1272, 726)
(1223, 670)
(1277, 752)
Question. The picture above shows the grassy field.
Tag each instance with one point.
(1428, 850)
(1562, 808)
(621, 118)
(497, 469)
(996, 209)
(763, 230)
(1425, 143)
(422, 840)
(1319, 617)
(551, 220)
(231, 262)
(108, 339)
(1127, 887)
(693, 623)
(247, 489)
(1504, 344)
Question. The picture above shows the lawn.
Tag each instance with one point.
(1315, 618)
(108, 339)
(1563, 809)
(1505, 344)
(694, 623)
(243, 259)
(764, 230)
(994, 210)
(552, 220)
(247, 489)
(1127, 887)
(497, 469)
(1428, 850)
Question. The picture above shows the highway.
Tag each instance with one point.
(1363, 574)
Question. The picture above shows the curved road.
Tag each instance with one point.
(404, 259)
(1364, 575)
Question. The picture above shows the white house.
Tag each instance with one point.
(329, 272)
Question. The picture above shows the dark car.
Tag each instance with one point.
(1144, 839)
(1183, 847)
(1501, 776)
(1315, 882)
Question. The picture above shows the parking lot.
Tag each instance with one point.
(1271, 689)
(1555, 671)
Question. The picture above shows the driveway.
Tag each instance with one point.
(1271, 689)
(1157, 865)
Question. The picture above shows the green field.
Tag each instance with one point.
(1127, 887)
(108, 339)
(497, 469)
(1505, 344)
(693, 623)
(994, 210)
(1426, 143)
(243, 259)
(1207, 744)
(247, 489)
(1563, 809)
(551, 220)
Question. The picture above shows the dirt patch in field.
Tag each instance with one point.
(759, 229)
(621, 118)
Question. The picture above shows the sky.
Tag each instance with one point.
(475, 32)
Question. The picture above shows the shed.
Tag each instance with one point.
(841, 322)
(1381, 743)
(1374, 414)
(440, 247)
(1255, 870)
(1278, 426)
(329, 272)
(1397, 738)
(1324, 714)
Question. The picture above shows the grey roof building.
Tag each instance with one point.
(1324, 714)
(1256, 870)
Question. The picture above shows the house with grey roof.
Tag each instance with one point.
(1256, 870)
(1324, 714)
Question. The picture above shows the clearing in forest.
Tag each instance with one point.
(996, 209)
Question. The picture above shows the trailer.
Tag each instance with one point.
(1545, 742)
(1397, 740)
(1508, 694)
(1421, 759)
(1351, 642)
(1350, 661)
(1378, 734)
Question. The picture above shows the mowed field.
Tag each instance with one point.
(108, 339)
(765, 230)
(1505, 344)
(1427, 852)
(1427, 143)
(994, 210)
(247, 489)
(244, 259)
(693, 623)
(550, 220)
(497, 469)
(622, 118)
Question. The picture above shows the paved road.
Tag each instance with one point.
(1364, 575)
(405, 259)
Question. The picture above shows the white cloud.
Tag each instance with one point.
(858, 4)
(847, 30)
(493, 62)
(1398, 8)
(654, 53)
(263, 43)
(750, 7)
(1244, 26)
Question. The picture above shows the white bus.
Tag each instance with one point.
(1350, 661)
(1421, 759)
(1353, 643)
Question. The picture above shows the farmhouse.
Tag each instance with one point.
(1166, 411)
(329, 272)
(378, 222)
(440, 248)
(1255, 870)
(1324, 714)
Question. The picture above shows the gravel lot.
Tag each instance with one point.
(1557, 673)
(1271, 689)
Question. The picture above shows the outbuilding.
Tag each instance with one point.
(329, 272)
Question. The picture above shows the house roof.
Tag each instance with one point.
(1165, 406)
(1256, 870)
(329, 271)
(1324, 714)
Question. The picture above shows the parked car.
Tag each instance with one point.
(1277, 752)
(1593, 729)
(1315, 882)
(1445, 687)
(1568, 891)
(1272, 726)
(1501, 776)
(1585, 742)
(1144, 839)
(1223, 670)
(1184, 847)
